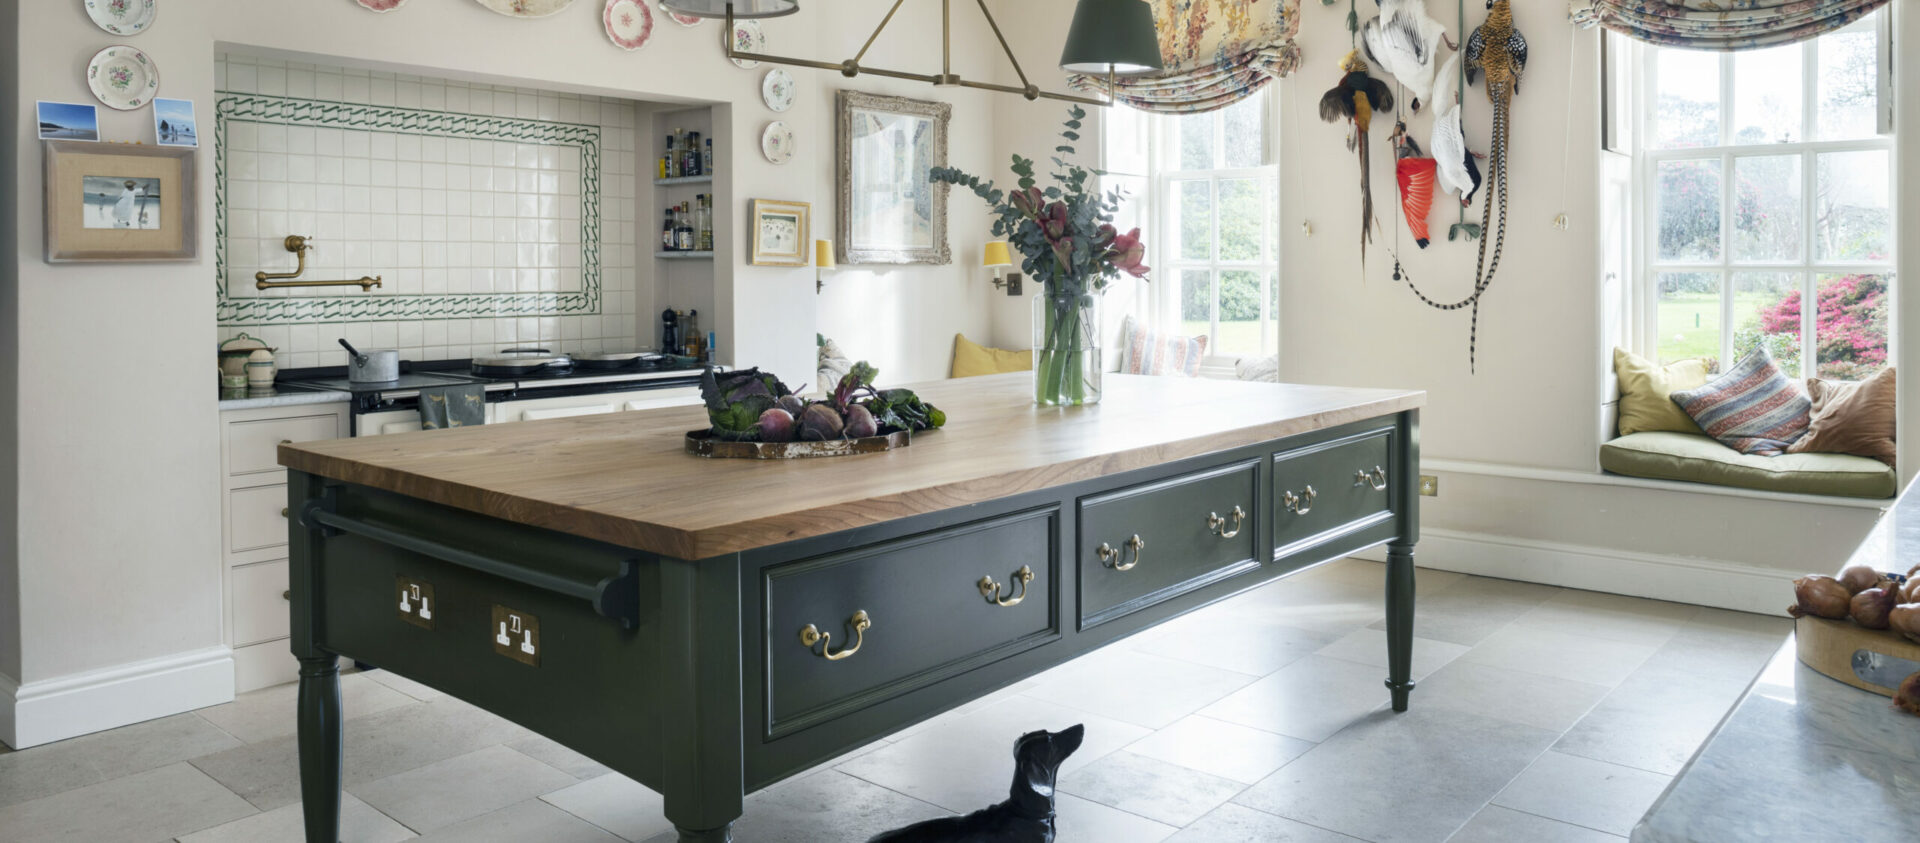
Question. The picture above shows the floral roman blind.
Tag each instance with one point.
(1720, 24)
(1217, 52)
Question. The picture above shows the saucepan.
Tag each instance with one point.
(377, 366)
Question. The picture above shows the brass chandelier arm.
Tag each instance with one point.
(852, 68)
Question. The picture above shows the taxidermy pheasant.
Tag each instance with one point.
(1356, 99)
(1406, 42)
(1414, 171)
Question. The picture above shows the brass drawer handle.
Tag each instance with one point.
(860, 623)
(287, 595)
(1299, 504)
(1111, 558)
(991, 590)
(283, 512)
(1218, 525)
(1377, 478)
(286, 441)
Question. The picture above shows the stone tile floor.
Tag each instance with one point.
(1542, 714)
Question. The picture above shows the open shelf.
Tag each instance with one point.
(684, 256)
(706, 179)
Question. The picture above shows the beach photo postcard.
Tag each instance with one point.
(173, 123)
(68, 121)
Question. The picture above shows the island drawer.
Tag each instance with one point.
(1144, 544)
(851, 629)
(1330, 489)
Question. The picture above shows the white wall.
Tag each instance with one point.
(116, 496)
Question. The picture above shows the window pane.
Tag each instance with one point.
(1126, 140)
(1239, 313)
(1766, 95)
(1193, 141)
(1193, 219)
(1241, 218)
(1689, 203)
(1849, 80)
(1851, 216)
(1196, 314)
(1244, 133)
(1689, 318)
(1687, 104)
(1766, 211)
(1850, 328)
(1766, 309)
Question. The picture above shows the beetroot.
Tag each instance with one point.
(821, 423)
(776, 425)
(860, 423)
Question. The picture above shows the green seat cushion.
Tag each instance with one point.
(1664, 455)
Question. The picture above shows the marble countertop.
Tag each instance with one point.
(278, 395)
(1802, 757)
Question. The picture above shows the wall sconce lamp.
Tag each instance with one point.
(822, 261)
(997, 259)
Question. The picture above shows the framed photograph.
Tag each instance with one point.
(115, 202)
(173, 123)
(68, 121)
(889, 210)
(781, 232)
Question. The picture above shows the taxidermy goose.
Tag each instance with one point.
(1406, 42)
(1356, 99)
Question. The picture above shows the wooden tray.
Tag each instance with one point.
(1828, 646)
(701, 443)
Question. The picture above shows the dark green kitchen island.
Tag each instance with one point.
(709, 627)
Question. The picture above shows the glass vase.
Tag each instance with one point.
(1066, 350)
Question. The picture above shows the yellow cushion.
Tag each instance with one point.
(1645, 388)
(971, 358)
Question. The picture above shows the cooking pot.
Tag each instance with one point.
(379, 366)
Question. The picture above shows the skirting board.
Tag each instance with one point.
(1702, 582)
(69, 706)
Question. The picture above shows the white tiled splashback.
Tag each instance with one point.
(436, 215)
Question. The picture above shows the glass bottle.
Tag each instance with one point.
(706, 222)
(686, 233)
(673, 159)
(706, 158)
(666, 232)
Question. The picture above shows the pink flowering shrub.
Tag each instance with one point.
(1850, 325)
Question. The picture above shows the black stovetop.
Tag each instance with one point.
(432, 373)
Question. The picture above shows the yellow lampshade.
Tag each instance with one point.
(823, 254)
(996, 254)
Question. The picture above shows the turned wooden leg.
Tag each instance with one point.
(723, 834)
(319, 720)
(1400, 622)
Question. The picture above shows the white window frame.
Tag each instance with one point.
(1645, 181)
(1158, 218)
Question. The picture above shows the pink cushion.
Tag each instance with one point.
(1148, 353)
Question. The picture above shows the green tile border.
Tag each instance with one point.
(293, 111)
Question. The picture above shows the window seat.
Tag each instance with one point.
(1695, 458)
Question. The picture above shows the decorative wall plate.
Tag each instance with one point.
(382, 5)
(121, 17)
(525, 8)
(676, 17)
(748, 38)
(123, 78)
(777, 89)
(777, 142)
(629, 23)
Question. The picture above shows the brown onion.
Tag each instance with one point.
(1858, 578)
(1871, 607)
(1907, 696)
(1820, 595)
(1905, 619)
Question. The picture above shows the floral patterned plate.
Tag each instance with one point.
(629, 23)
(382, 6)
(526, 8)
(777, 142)
(676, 17)
(121, 17)
(777, 89)
(123, 78)
(748, 38)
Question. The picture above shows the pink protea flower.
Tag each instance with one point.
(1129, 255)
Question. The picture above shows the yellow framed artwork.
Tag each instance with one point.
(119, 202)
(782, 232)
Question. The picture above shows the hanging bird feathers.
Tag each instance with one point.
(1356, 99)
(1414, 171)
(1406, 43)
(1500, 51)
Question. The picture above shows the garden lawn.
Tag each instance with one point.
(1689, 323)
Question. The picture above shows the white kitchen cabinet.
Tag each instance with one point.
(253, 491)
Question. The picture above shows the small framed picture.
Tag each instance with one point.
(68, 121)
(119, 202)
(173, 123)
(781, 232)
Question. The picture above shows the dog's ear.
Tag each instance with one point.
(1068, 740)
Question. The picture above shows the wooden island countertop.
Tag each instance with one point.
(624, 478)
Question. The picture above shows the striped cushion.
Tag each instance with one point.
(1148, 353)
(1753, 408)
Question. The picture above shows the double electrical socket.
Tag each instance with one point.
(416, 602)
(516, 635)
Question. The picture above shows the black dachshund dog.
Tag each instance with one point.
(1026, 816)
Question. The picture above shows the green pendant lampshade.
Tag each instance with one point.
(741, 8)
(1108, 36)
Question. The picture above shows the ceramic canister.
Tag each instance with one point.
(261, 368)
